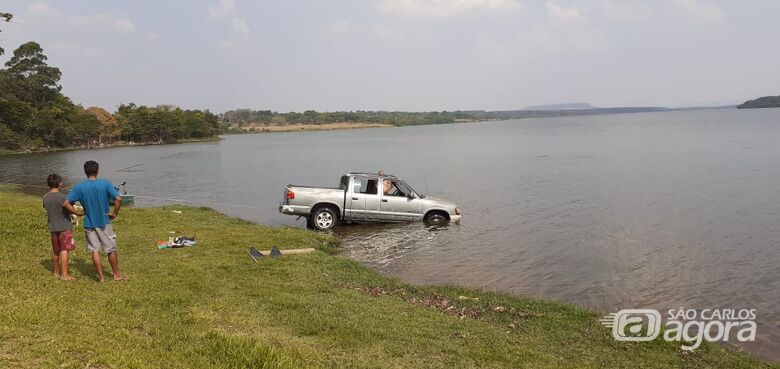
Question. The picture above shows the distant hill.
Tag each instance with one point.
(762, 102)
(569, 106)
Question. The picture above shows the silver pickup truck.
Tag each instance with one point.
(364, 198)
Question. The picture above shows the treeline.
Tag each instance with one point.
(241, 117)
(35, 114)
(235, 119)
(164, 123)
(762, 102)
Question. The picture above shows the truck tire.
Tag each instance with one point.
(436, 218)
(324, 218)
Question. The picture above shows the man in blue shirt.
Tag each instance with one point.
(95, 196)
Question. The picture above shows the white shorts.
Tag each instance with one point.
(101, 237)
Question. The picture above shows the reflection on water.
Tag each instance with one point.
(389, 247)
(658, 210)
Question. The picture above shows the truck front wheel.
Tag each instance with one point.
(436, 218)
(323, 219)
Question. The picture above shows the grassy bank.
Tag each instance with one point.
(211, 306)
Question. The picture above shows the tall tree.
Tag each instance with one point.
(31, 79)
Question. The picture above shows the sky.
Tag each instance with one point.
(410, 55)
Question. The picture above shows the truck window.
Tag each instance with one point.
(367, 186)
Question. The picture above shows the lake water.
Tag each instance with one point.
(653, 210)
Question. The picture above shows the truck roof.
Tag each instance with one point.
(371, 174)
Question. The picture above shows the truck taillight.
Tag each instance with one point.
(290, 195)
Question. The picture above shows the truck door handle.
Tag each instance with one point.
(384, 200)
(354, 198)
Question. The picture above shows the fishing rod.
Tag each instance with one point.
(130, 167)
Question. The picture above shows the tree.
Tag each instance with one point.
(6, 17)
(16, 114)
(9, 139)
(30, 78)
(279, 120)
(109, 126)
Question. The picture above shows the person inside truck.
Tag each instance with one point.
(391, 189)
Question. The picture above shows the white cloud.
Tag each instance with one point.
(124, 25)
(443, 8)
(564, 14)
(339, 29)
(566, 28)
(153, 36)
(626, 11)
(91, 20)
(239, 26)
(226, 10)
(223, 8)
(96, 20)
(704, 11)
(387, 33)
(41, 9)
(77, 51)
(228, 44)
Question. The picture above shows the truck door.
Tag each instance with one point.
(355, 208)
(396, 206)
(363, 200)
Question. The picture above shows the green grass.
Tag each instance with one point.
(211, 306)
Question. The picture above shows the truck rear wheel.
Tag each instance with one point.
(323, 219)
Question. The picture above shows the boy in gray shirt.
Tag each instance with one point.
(58, 211)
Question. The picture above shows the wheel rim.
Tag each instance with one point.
(324, 219)
(436, 218)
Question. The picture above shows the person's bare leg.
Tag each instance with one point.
(115, 267)
(55, 262)
(64, 266)
(98, 265)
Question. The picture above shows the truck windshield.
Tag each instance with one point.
(405, 188)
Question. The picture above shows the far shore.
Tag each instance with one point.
(260, 128)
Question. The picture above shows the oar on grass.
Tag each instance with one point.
(275, 252)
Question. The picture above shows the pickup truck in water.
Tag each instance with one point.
(365, 198)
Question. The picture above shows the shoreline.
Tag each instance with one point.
(257, 128)
(289, 311)
(4, 152)
(260, 129)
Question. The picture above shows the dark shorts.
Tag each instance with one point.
(62, 241)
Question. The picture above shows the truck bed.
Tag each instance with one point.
(299, 200)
